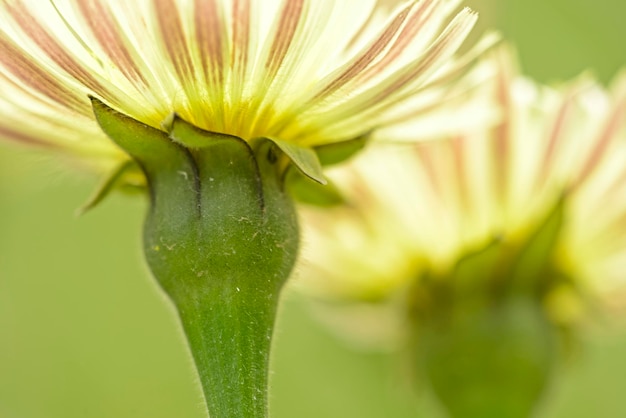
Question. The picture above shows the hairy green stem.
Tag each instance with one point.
(229, 330)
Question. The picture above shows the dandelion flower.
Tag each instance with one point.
(309, 73)
(424, 207)
(480, 250)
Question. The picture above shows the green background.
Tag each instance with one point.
(84, 333)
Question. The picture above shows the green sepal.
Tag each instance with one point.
(303, 158)
(226, 167)
(169, 168)
(111, 181)
(534, 259)
(190, 136)
(475, 273)
(148, 146)
(339, 152)
(309, 192)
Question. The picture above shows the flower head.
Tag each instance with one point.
(539, 198)
(306, 72)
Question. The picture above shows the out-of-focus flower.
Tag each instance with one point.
(416, 214)
(301, 71)
(480, 253)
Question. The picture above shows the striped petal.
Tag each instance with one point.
(301, 71)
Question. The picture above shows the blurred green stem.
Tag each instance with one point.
(493, 362)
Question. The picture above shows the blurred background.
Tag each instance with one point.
(84, 333)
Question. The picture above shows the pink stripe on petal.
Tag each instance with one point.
(21, 137)
(241, 36)
(24, 69)
(104, 28)
(393, 91)
(554, 140)
(460, 170)
(454, 33)
(502, 132)
(52, 48)
(174, 38)
(287, 25)
(239, 56)
(415, 23)
(209, 35)
(424, 154)
(614, 122)
(367, 56)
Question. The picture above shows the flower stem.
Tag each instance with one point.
(494, 362)
(230, 340)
